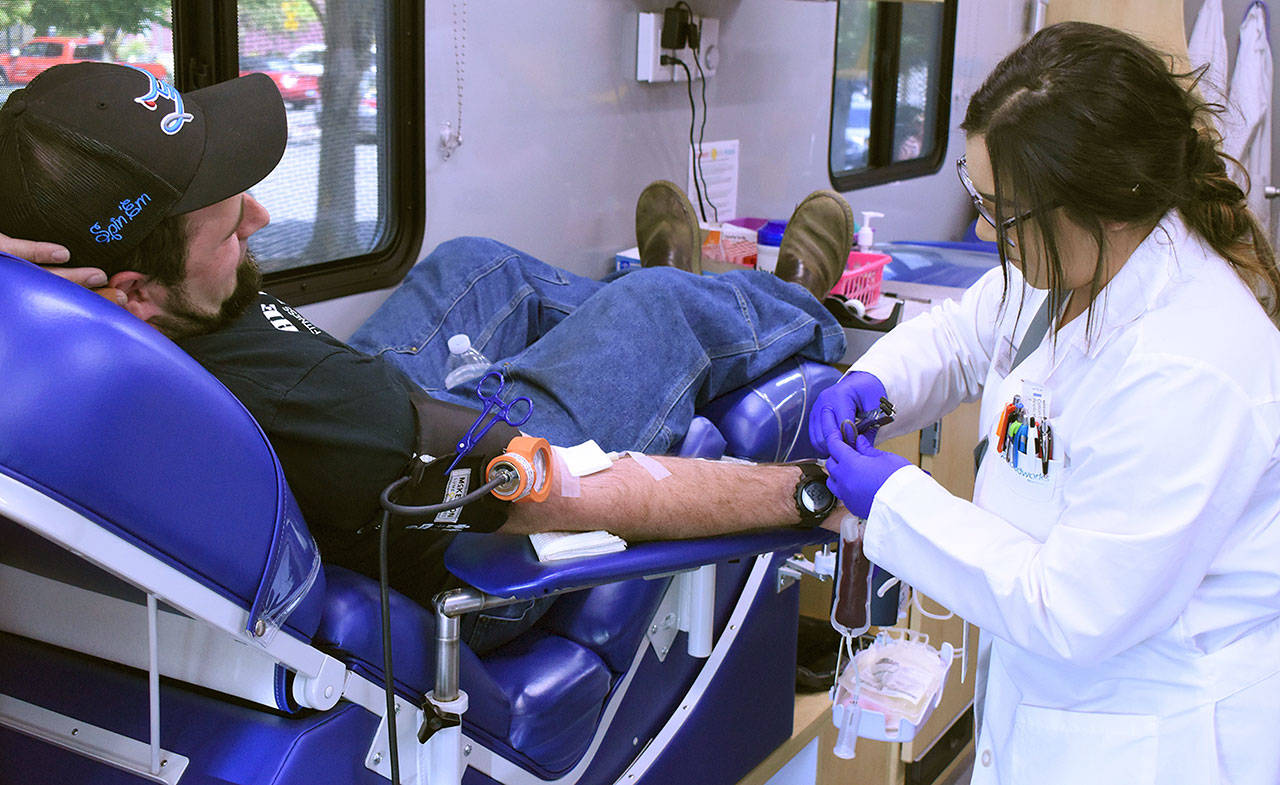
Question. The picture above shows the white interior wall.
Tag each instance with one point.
(559, 137)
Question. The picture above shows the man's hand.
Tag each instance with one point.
(39, 253)
(47, 254)
(855, 473)
(855, 395)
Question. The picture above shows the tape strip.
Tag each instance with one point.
(583, 459)
(570, 487)
(656, 470)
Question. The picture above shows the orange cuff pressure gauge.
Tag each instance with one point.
(529, 458)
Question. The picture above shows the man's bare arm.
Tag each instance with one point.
(699, 499)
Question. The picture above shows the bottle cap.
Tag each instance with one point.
(459, 343)
(771, 233)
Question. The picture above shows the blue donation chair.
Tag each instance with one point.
(167, 617)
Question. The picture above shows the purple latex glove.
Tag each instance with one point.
(856, 473)
(855, 395)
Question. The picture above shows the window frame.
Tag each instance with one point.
(206, 51)
(880, 167)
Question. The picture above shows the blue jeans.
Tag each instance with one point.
(625, 362)
(485, 631)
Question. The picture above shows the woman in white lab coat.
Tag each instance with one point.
(1122, 552)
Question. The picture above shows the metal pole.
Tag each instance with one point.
(153, 682)
(1038, 10)
(702, 607)
(446, 688)
(449, 606)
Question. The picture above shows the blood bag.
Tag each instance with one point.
(851, 606)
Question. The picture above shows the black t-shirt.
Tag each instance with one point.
(343, 425)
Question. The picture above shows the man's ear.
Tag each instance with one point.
(143, 297)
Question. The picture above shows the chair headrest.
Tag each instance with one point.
(104, 414)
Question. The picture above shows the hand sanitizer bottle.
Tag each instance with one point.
(866, 235)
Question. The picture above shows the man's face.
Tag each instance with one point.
(222, 277)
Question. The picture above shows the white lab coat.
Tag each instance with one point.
(1207, 48)
(1246, 125)
(1130, 605)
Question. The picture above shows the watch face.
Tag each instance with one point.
(817, 497)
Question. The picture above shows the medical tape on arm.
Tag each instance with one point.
(587, 458)
(656, 470)
(570, 488)
(578, 461)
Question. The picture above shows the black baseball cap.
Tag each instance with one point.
(95, 155)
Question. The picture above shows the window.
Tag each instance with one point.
(89, 52)
(41, 49)
(340, 222)
(891, 92)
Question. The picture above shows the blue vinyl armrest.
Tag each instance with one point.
(505, 565)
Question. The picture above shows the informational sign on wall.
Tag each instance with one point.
(717, 179)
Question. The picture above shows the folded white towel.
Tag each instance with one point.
(552, 546)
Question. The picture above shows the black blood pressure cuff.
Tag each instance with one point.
(442, 424)
(430, 485)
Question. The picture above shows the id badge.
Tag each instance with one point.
(1036, 400)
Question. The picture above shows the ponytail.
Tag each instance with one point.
(1215, 207)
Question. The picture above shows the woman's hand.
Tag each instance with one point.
(856, 473)
(854, 396)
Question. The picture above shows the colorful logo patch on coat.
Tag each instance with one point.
(171, 123)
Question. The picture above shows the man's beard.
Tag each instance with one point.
(182, 320)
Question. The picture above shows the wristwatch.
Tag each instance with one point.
(814, 501)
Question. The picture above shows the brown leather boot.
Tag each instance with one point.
(667, 228)
(815, 246)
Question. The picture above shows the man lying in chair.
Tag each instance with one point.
(153, 195)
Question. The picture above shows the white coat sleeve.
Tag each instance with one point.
(938, 360)
(1153, 489)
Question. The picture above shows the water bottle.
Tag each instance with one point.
(465, 364)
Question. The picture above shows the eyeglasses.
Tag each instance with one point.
(1004, 228)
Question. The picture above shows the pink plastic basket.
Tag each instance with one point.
(861, 278)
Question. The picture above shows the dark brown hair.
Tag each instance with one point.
(162, 254)
(1092, 120)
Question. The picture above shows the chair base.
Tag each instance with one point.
(224, 741)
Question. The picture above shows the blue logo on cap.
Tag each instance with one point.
(171, 123)
(129, 209)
